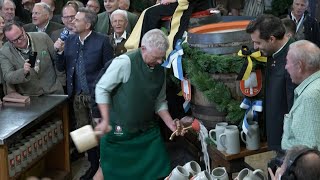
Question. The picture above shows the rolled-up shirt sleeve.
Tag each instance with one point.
(161, 102)
(118, 72)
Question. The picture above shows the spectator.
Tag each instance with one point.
(302, 123)
(300, 163)
(307, 26)
(41, 20)
(124, 4)
(119, 21)
(53, 16)
(8, 11)
(104, 25)
(68, 14)
(82, 56)
(94, 5)
(28, 4)
(29, 79)
(290, 27)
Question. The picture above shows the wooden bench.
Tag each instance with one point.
(235, 162)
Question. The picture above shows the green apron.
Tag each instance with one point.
(134, 148)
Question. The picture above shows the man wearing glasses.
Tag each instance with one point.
(29, 77)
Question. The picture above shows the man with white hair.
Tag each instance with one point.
(41, 15)
(119, 22)
(134, 142)
(307, 26)
(104, 25)
(8, 10)
(302, 123)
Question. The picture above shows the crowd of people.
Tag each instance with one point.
(107, 60)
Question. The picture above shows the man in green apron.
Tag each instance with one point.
(128, 94)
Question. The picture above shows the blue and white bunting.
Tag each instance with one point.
(252, 107)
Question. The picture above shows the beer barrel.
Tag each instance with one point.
(220, 38)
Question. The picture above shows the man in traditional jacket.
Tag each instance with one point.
(82, 56)
(104, 25)
(128, 94)
(268, 35)
(307, 26)
(29, 78)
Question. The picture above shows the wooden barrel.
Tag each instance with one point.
(219, 38)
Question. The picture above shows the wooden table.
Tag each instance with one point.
(17, 122)
(235, 162)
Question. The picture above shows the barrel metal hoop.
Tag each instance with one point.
(231, 44)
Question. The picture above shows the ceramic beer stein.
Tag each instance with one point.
(178, 173)
(203, 175)
(219, 129)
(219, 173)
(230, 139)
(252, 139)
(247, 174)
(192, 167)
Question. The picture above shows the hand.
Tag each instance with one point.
(277, 175)
(179, 128)
(103, 127)
(26, 67)
(59, 45)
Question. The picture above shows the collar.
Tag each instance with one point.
(298, 22)
(26, 50)
(43, 29)
(279, 50)
(119, 39)
(306, 82)
(82, 42)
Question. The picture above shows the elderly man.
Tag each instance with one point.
(268, 35)
(307, 26)
(104, 25)
(30, 77)
(41, 15)
(8, 11)
(300, 163)
(135, 141)
(93, 5)
(119, 23)
(82, 56)
(302, 123)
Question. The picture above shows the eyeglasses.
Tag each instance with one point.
(20, 38)
(68, 17)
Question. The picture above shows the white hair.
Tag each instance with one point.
(120, 12)
(155, 38)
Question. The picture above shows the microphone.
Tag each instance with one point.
(64, 34)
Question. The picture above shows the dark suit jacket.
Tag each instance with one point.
(97, 51)
(52, 26)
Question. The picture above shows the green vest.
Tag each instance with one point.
(138, 151)
(133, 103)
